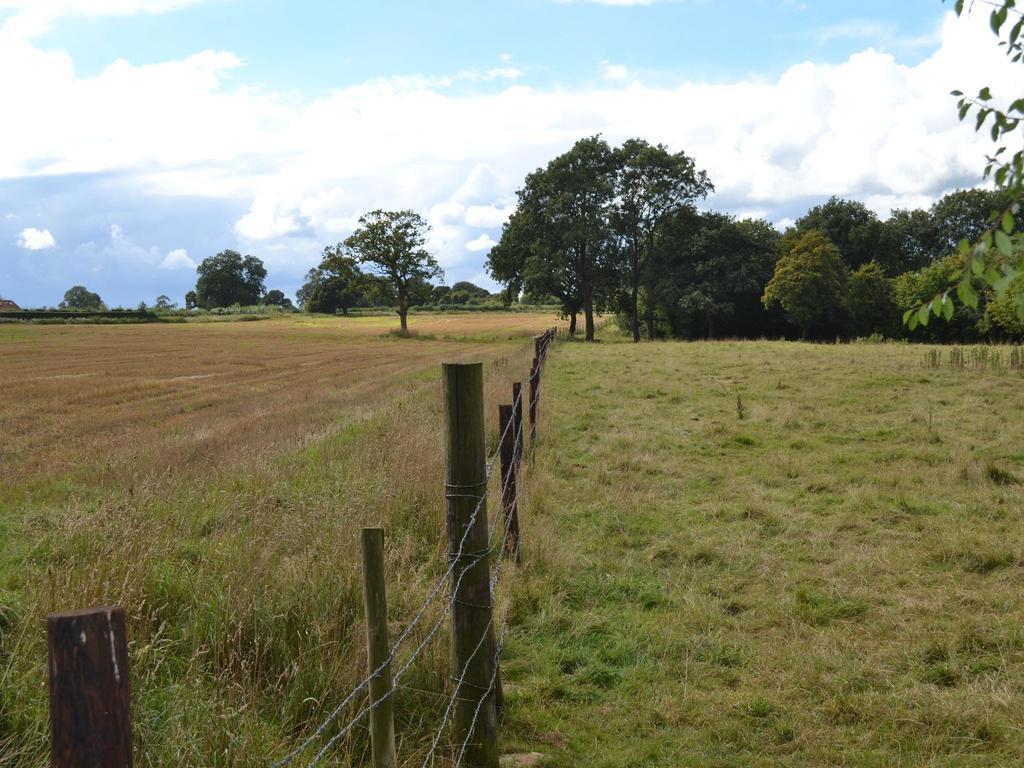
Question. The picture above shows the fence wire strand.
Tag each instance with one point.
(437, 589)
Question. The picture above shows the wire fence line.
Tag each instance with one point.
(90, 714)
(412, 657)
(459, 556)
(499, 646)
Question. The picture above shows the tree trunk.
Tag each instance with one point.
(588, 313)
(634, 319)
(344, 310)
(403, 310)
(650, 323)
(572, 324)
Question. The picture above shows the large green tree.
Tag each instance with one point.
(562, 237)
(229, 278)
(710, 271)
(527, 258)
(651, 184)
(393, 245)
(914, 238)
(810, 283)
(81, 298)
(871, 302)
(335, 284)
(854, 229)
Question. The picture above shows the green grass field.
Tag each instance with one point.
(833, 579)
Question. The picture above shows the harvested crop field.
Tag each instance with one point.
(97, 399)
(212, 479)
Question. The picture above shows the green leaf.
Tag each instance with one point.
(985, 94)
(1008, 222)
(924, 313)
(977, 265)
(964, 245)
(1001, 285)
(913, 322)
(966, 293)
(1003, 243)
(906, 316)
(947, 308)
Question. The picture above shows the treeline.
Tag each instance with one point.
(616, 229)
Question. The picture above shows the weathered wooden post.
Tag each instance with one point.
(517, 426)
(534, 381)
(509, 505)
(90, 694)
(473, 643)
(382, 717)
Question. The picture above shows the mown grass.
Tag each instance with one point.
(830, 575)
(240, 573)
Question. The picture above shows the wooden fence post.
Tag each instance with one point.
(473, 643)
(509, 504)
(382, 715)
(534, 377)
(517, 426)
(90, 693)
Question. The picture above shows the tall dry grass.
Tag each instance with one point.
(241, 578)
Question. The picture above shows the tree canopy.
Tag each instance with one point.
(80, 298)
(809, 284)
(229, 278)
(651, 185)
(393, 245)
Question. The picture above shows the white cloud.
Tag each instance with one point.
(611, 71)
(487, 216)
(305, 169)
(32, 239)
(178, 259)
(35, 17)
(483, 243)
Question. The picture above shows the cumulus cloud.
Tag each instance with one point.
(32, 239)
(483, 243)
(305, 169)
(177, 259)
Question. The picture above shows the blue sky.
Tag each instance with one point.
(144, 135)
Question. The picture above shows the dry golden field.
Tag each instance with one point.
(212, 479)
(91, 399)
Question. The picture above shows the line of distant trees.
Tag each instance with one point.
(617, 229)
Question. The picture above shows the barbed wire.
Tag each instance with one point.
(454, 558)
(465, 668)
(412, 657)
